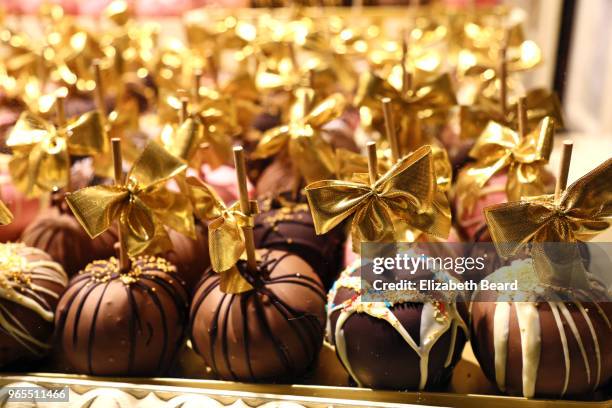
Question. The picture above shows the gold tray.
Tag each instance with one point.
(174, 392)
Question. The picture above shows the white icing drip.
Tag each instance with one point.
(528, 318)
(27, 302)
(431, 330)
(340, 342)
(18, 332)
(555, 311)
(574, 329)
(603, 315)
(18, 273)
(588, 321)
(501, 323)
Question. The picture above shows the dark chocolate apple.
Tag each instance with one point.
(290, 228)
(272, 333)
(410, 341)
(59, 234)
(551, 349)
(30, 287)
(122, 323)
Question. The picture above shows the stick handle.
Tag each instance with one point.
(564, 166)
(184, 113)
(245, 207)
(503, 75)
(60, 109)
(197, 80)
(406, 76)
(390, 129)
(522, 116)
(372, 162)
(124, 260)
(99, 94)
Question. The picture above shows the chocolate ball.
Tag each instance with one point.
(550, 349)
(122, 324)
(30, 287)
(292, 229)
(190, 256)
(408, 342)
(60, 235)
(272, 333)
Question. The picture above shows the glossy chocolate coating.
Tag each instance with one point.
(272, 333)
(31, 285)
(291, 229)
(129, 324)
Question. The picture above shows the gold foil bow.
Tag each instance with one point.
(142, 204)
(225, 236)
(350, 164)
(312, 156)
(6, 217)
(211, 121)
(427, 101)
(500, 147)
(583, 211)
(381, 211)
(539, 103)
(41, 151)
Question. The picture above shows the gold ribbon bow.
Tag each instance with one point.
(41, 151)
(142, 204)
(539, 103)
(211, 121)
(225, 236)
(350, 164)
(500, 147)
(307, 149)
(428, 101)
(6, 217)
(583, 211)
(381, 211)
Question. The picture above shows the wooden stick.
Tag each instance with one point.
(406, 76)
(184, 113)
(99, 94)
(197, 80)
(245, 207)
(372, 162)
(124, 260)
(503, 75)
(60, 110)
(390, 129)
(213, 71)
(564, 166)
(522, 116)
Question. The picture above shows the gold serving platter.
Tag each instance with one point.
(171, 392)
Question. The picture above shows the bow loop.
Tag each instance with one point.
(381, 211)
(41, 152)
(500, 147)
(142, 204)
(583, 211)
(225, 236)
(312, 155)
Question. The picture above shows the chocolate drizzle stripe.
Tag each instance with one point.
(245, 329)
(213, 333)
(164, 321)
(281, 350)
(224, 342)
(134, 318)
(92, 329)
(75, 331)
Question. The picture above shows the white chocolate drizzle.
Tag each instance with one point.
(18, 277)
(436, 320)
(528, 317)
